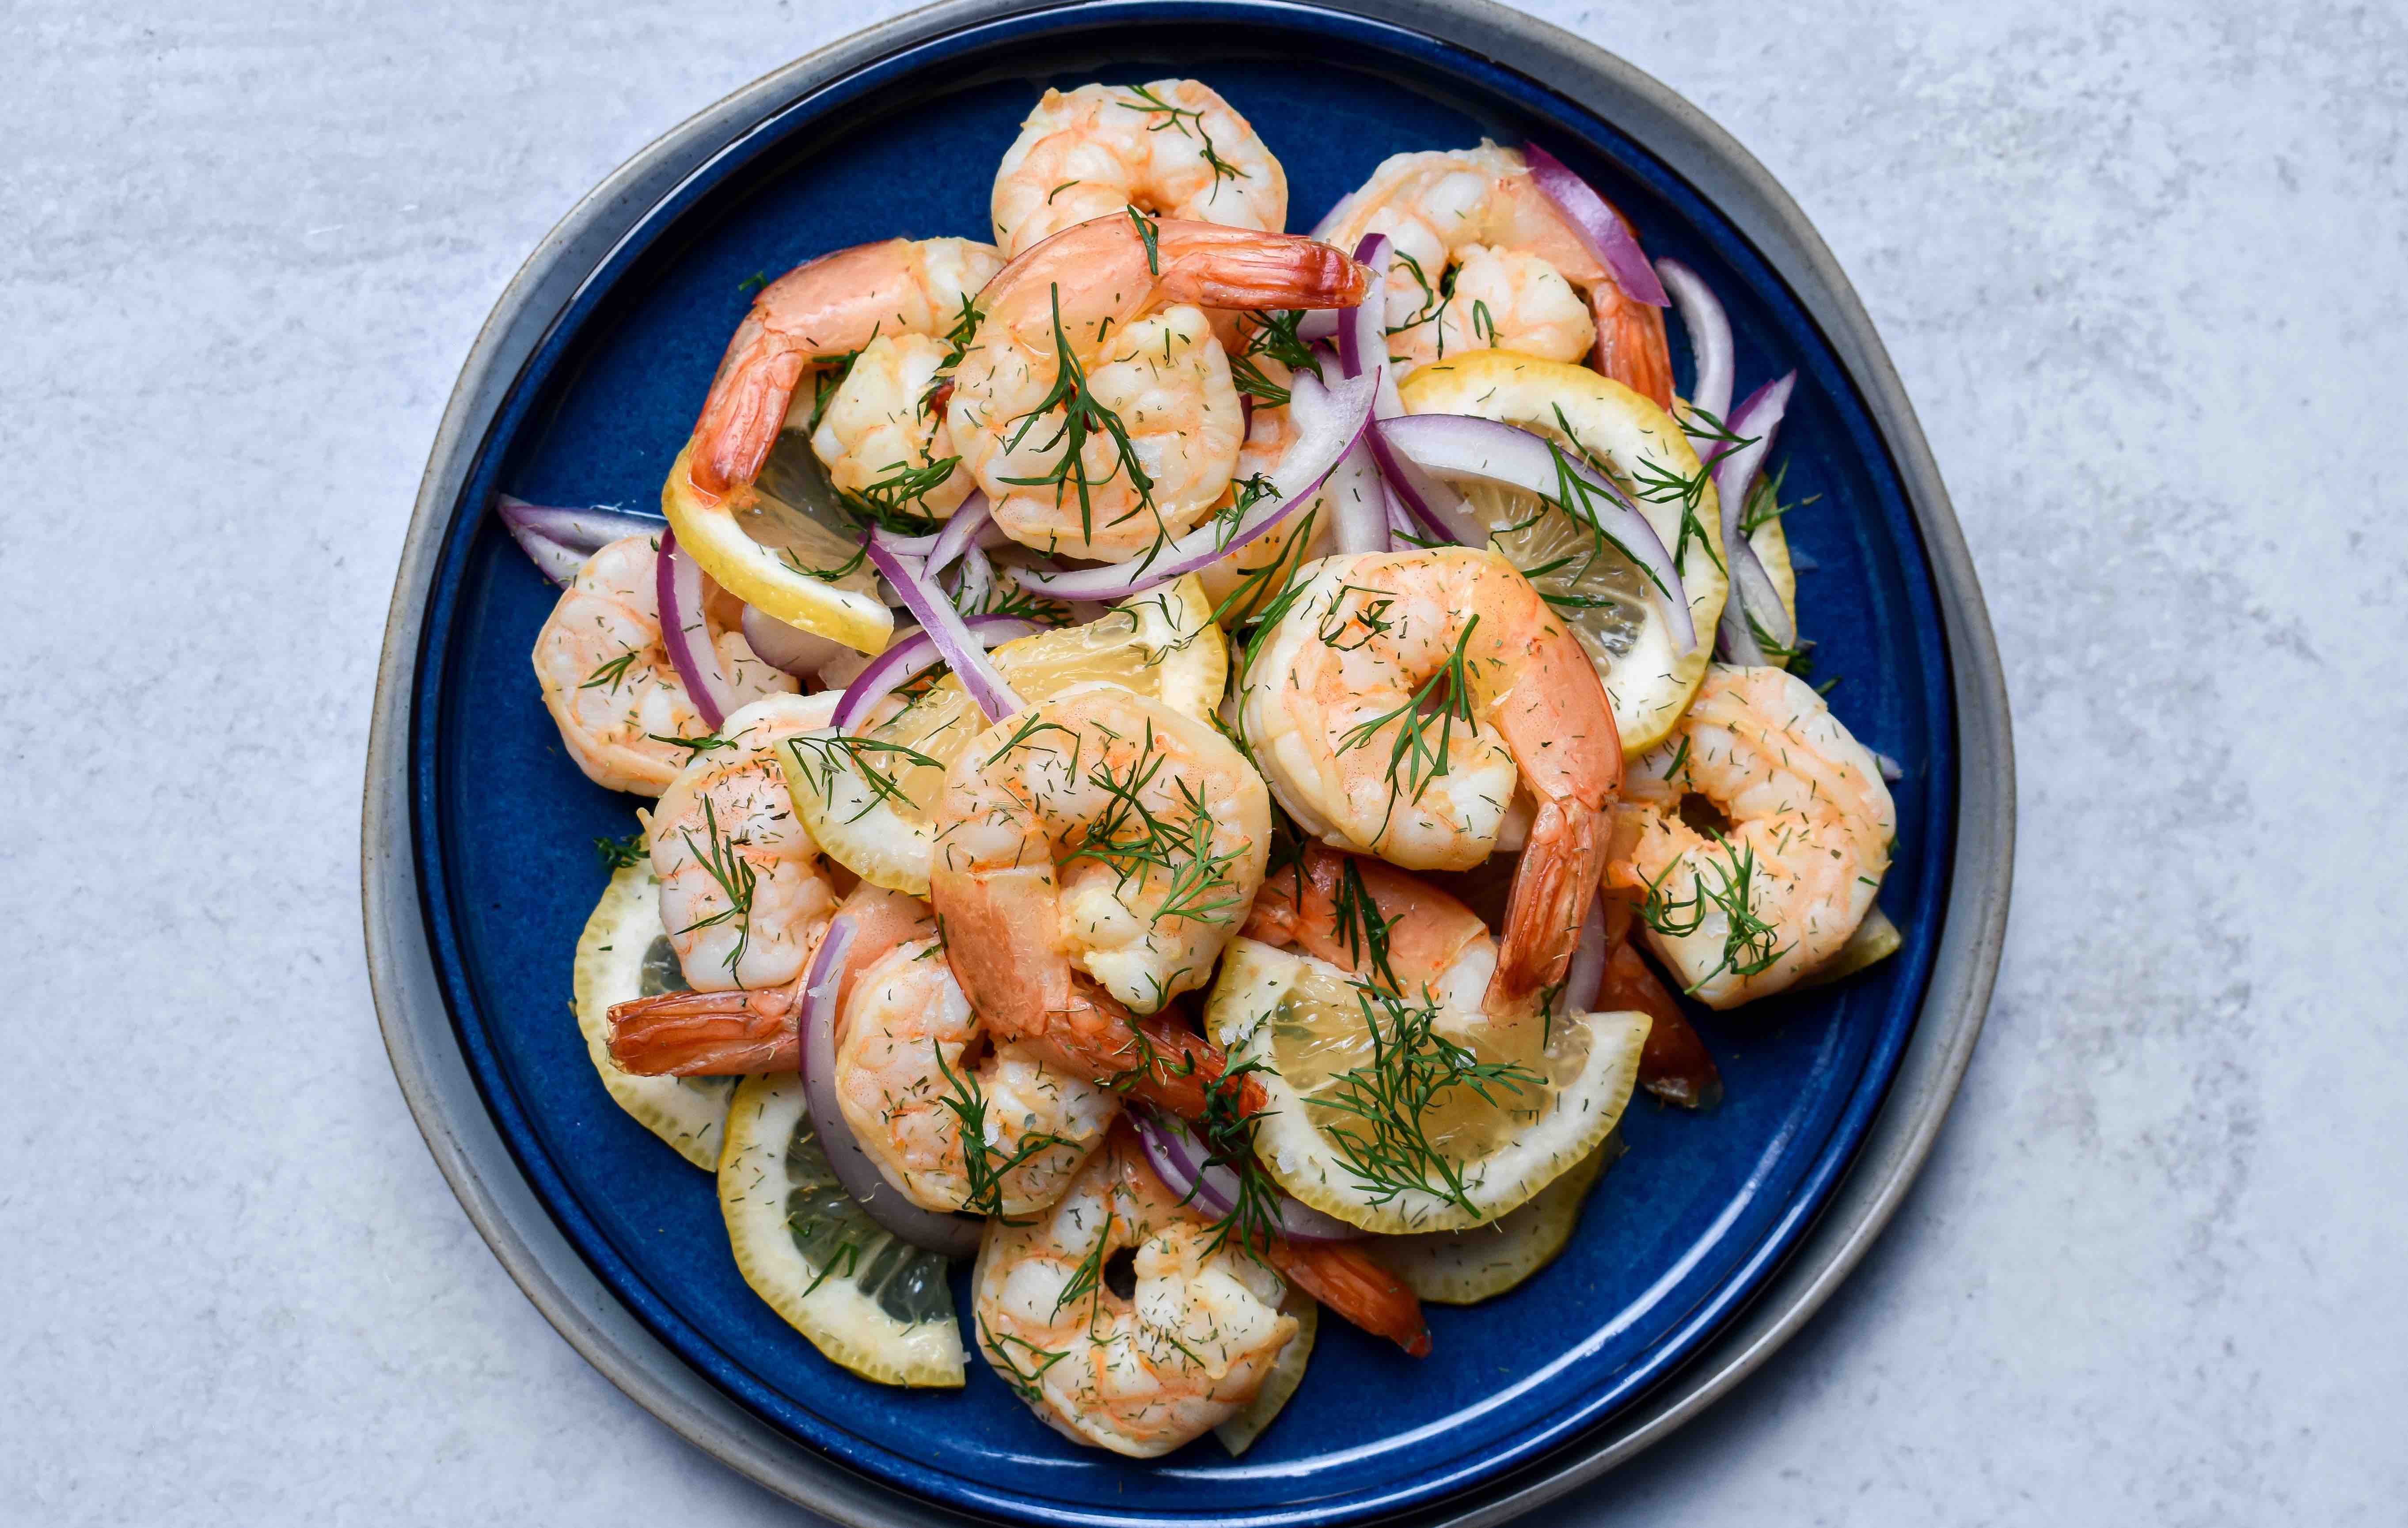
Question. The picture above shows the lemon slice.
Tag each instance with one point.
(1239, 1433)
(1161, 644)
(877, 1306)
(1372, 1118)
(1612, 608)
(1876, 939)
(763, 551)
(1464, 1267)
(624, 955)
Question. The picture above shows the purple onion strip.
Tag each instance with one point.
(1709, 346)
(941, 622)
(1752, 593)
(677, 588)
(1603, 228)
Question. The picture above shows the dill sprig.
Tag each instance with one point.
(1278, 578)
(1150, 231)
(1764, 504)
(1136, 841)
(1180, 118)
(1022, 1383)
(853, 753)
(706, 742)
(1361, 928)
(612, 673)
(899, 500)
(1081, 417)
(1720, 439)
(1384, 1137)
(1274, 335)
(619, 853)
(1435, 296)
(736, 880)
(826, 378)
(983, 1167)
(1751, 944)
(1436, 704)
(1227, 1129)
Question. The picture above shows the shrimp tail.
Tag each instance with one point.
(1350, 1281)
(746, 409)
(1154, 1060)
(1235, 268)
(1630, 344)
(708, 1034)
(1560, 871)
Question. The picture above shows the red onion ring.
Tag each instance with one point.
(907, 657)
(559, 540)
(976, 580)
(1179, 1160)
(1330, 420)
(792, 649)
(944, 625)
(1586, 973)
(970, 521)
(676, 587)
(954, 1235)
(1608, 238)
(1752, 592)
(1463, 445)
(1710, 346)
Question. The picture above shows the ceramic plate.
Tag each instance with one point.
(475, 809)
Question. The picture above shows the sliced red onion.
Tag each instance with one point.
(1359, 503)
(960, 533)
(676, 587)
(1586, 973)
(1462, 446)
(943, 623)
(792, 649)
(909, 654)
(1600, 225)
(1330, 420)
(1753, 594)
(1319, 323)
(954, 1235)
(559, 540)
(1435, 505)
(905, 546)
(1709, 346)
(1179, 1160)
(1891, 770)
(976, 582)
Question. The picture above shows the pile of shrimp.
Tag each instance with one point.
(1104, 375)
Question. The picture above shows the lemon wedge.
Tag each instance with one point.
(771, 554)
(624, 955)
(1612, 608)
(1464, 1267)
(1239, 1433)
(1397, 1118)
(1876, 939)
(867, 803)
(872, 1304)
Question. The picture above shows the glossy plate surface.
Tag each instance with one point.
(1681, 1233)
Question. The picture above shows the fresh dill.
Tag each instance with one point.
(1025, 1383)
(1180, 118)
(1138, 843)
(1361, 928)
(838, 750)
(984, 1168)
(1438, 704)
(826, 378)
(1272, 334)
(694, 747)
(612, 673)
(1150, 232)
(1272, 581)
(1227, 1129)
(753, 282)
(1383, 1134)
(899, 499)
(720, 856)
(1719, 439)
(619, 853)
(1577, 495)
(1751, 944)
(1081, 417)
(1764, 504)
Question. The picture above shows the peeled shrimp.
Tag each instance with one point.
(914, 1070)
(883, 436)
(1395, 708)
(1519, 269)
(1373, 921)
(816, 312)
(1743, 908)
(1172, 148)
(744, 893)
(1115, 1317)
(1136, 436)
(607, 679)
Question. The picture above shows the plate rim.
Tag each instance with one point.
(467, 1147)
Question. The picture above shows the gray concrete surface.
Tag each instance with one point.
(2143, 269)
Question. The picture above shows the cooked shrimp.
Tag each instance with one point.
(883, 436)
(1676, 1066)
(1772, 889)
(608, 681)
(825, 309)
(1115, 1317)
(1095, 406)
(1516, 263)
(1369, 918)
(912, 1069)
(1158, 825)
(1395, 707)
(738, 1034)
(744, 893)
(1172, 148)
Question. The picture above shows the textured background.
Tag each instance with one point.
(2143, 270)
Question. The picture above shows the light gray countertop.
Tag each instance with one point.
(2145, 270)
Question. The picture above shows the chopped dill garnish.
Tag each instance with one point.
(1180, 117)
(1750, 944)
(1151, 232)
(984, 1168)
(613, 672)
(1383, 1139)
(709, 742)
(735, 876)
(1022, 1383)
(619, 853)
(1441, 701)
(826, 377)
(853, 753)
(1361, 928)
(1082, 416)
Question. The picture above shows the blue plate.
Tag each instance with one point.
(1680, 1233)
